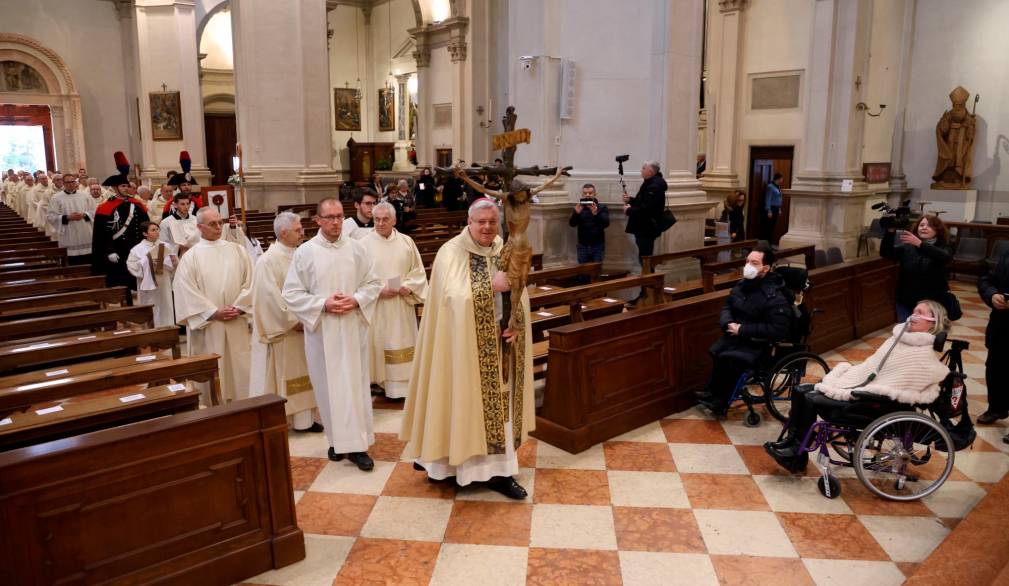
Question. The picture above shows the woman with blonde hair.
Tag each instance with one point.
(905, 369)
(733, 214)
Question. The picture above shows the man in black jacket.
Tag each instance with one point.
(643, 211)
(591, 218)
(993, 287)
(755, 314)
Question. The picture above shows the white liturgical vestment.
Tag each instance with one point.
(154, 287)
(212, 275)
(75, 236)
(278, 350)
(336, 346)
(394, 329)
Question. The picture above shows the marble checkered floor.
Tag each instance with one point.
(684, 500)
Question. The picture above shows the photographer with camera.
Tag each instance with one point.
(644, 210)
(591, 218)
(923, 256)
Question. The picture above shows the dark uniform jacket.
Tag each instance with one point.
(117, 230)
(992, 281)
(764, 314)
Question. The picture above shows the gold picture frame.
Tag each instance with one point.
(166, 115)
(386, 110)
(347, 109)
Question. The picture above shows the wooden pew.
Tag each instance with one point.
(649, 263)
(27, 264)
(44, 248)
(46, 286)
(75, 321)
(614, 374)
(709, 270)
(566, 274)
(575, 298)
(30, 241)
(19, 356)
(22, 307)
(202, 497)
(45, 273)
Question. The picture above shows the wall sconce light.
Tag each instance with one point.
(862, 107)
(527, 62)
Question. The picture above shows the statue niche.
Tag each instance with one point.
(954, 136)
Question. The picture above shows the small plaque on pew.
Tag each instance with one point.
(670, 289)
(6, 421)
(146, 358)
(49, 410)
(609, 300)
(544, 314)
(57, 372)
(120, 332)
(131, 398)
(584, 306)
(545, 288)
(32, 347)
(43, 384)
(87, 338)
(176, 387)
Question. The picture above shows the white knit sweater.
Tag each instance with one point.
(911, 374)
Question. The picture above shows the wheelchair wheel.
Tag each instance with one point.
(752, 419)
(791, 371)
(832, 484)
(896, 456)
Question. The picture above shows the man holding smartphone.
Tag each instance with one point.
(591, 218)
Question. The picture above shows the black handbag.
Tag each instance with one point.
(665, 220)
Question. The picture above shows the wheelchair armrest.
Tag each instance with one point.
(868, 396)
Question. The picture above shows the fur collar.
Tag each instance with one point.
(913, 338)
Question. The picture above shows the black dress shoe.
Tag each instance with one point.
(989, 417)
(507, 486)
(787, 458)
(788, 441)
(315, 428)
(362, 460)
(334, 456)
(418, 467)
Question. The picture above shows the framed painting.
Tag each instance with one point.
(347, 108)
(166, 115)
(220, 198)
(876, 172)
(386, 110)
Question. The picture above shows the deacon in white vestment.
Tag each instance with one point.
(398, 264)
(212, 299)
(71, 216)
(332, 289)
(462, 418)
(152, 263)
(278, 339)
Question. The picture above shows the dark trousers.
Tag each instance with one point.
(808, 405)
(724, 375)
(769, 224)
(84, 259)
(589, 253)
(646, 247)
(996, 376)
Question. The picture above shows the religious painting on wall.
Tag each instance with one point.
(386, 110)
(20, 77)
(347, 108)
(166, 115)
(876, 172)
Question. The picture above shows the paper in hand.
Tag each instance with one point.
(394, 283)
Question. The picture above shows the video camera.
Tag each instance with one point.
(621, 159)
(899, 217)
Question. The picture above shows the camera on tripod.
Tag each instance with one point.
(894, 218)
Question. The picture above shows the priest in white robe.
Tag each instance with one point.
(278, 339)
(212, 299)
(152, 262)
(332, 289)
(404, 285)
(42, 214)
(462, 419)
(71, 216)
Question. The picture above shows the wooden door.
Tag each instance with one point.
(221, 139)
(764, 163)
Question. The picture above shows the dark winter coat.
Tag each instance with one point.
(922, 271)
(736, 222)
(992, 281)
(117, 230)
(646, 207)
(591, 228)
(764, 314)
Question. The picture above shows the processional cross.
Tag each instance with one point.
(516, 198)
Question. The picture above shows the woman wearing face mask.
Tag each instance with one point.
(923, 256)
(910, 375)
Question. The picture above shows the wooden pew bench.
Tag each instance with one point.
(30, 287)
(709, 270)
(23, 307)
(100, 319)
(45, 273)
(55, 253)
(19, 356)
(27, 263)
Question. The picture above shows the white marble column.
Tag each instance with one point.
(425, 111)
(725, 36)
(166, 48)
(898, 181)
(822, 213)
(282, 98)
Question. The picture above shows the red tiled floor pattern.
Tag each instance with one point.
(693, 501)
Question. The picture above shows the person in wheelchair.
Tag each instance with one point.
(910, 375)
(756, 314)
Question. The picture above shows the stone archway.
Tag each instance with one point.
(60, 95)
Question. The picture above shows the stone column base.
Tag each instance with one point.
(268, 188)
(825, 219)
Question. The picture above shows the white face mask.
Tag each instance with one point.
(750, 272)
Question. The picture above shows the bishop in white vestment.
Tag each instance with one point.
(152, 262)
(332, 289)
(404, 285)
(278, 339)
(212, 299)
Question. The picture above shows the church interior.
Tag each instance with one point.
(857, 143)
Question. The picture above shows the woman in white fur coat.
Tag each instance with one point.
(911, 375)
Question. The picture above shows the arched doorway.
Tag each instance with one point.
(34, 75)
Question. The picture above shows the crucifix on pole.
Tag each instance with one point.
(516, 198)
